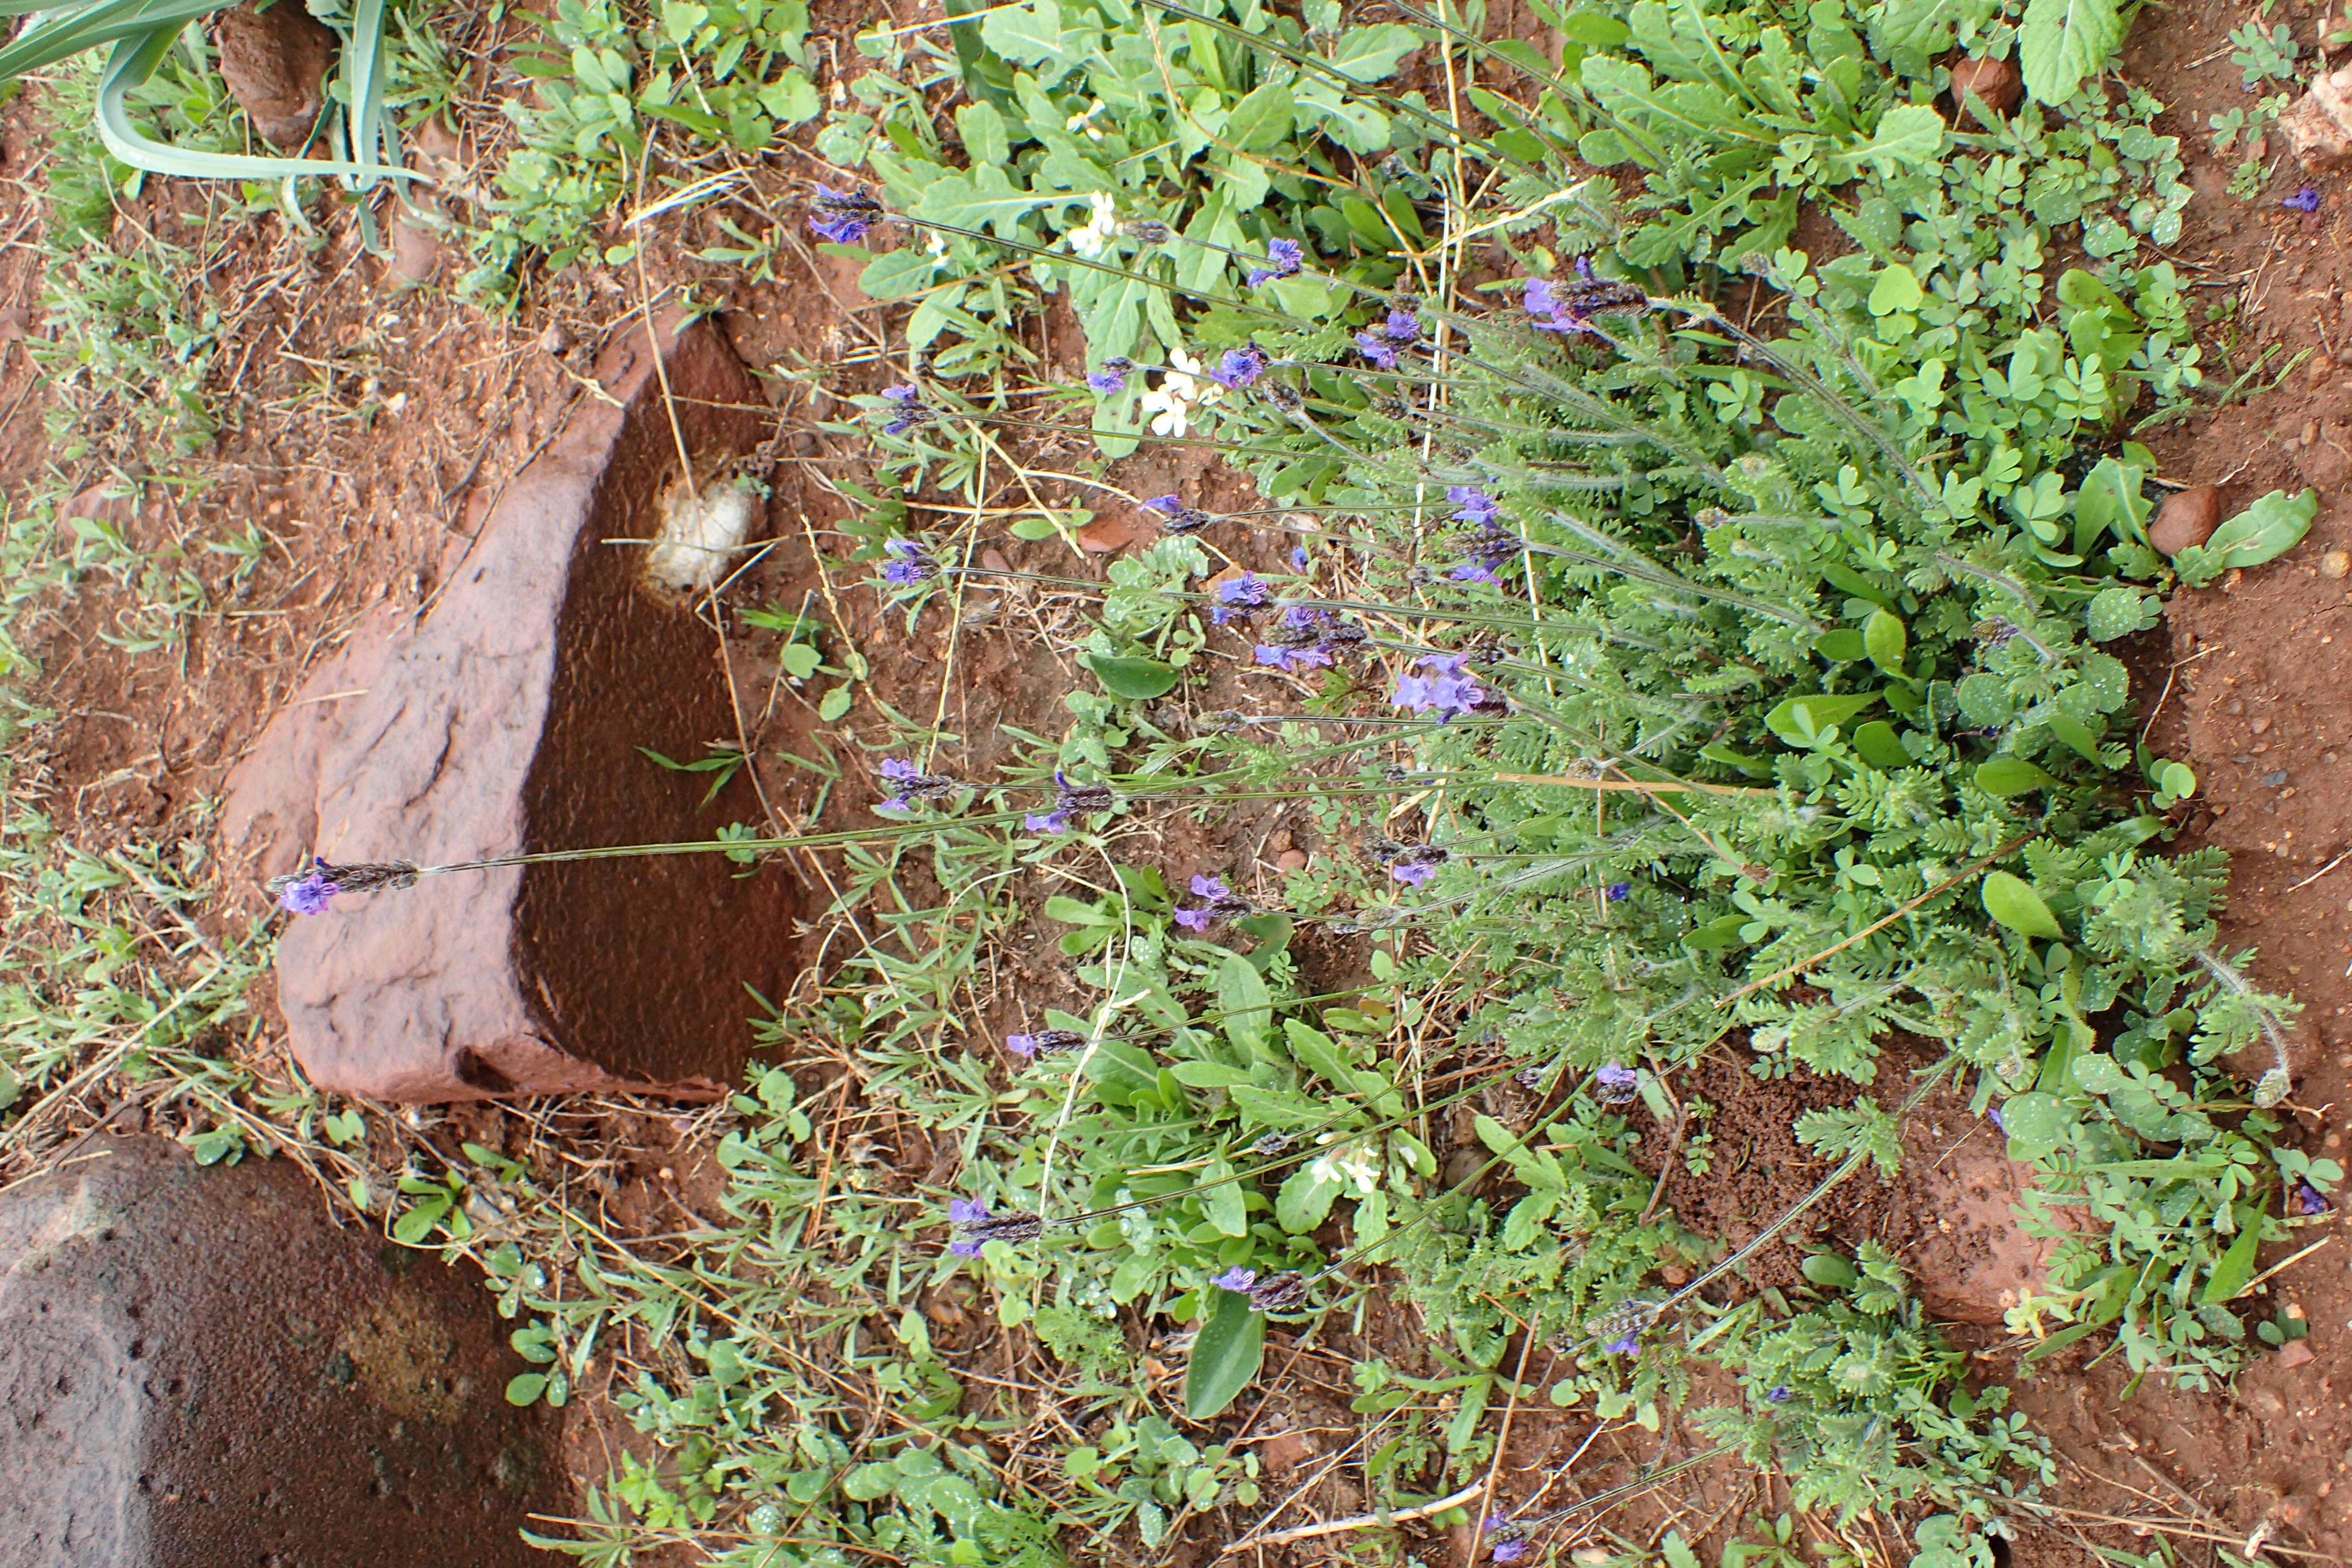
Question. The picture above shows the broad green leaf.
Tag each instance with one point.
(1031, 34)
(1134, 680)
(2264, 531)
(2036, 1123)
(2119, 612)
(524, 1388)
(1842, 645)
(1799, 720)
(1304, 1200)
(835, 705)
(2076, 735)
(1210, 1075)
(1119, 1071)
(2001, 777)
(1897, 289)
(1227, 1209)
(1910, 137)
(1885, 638)
(2062, 41)
(1880, 747)
(1830, 1271)
(1072, 912)
(1247, 1004)
(1226, 1354)
(2236, 1265)
(1261, 121)
(985, 139)
(2015, 903)
(1371, 54)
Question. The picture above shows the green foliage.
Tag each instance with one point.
(1100, 107)
(1861, 1402)
(2063, 42)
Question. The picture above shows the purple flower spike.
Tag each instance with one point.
(1402, 327)
(1618, 1084)
(2305, 200)
(843, 217)
(1208, 887)
(1237, 598)
(1506, 1542)
(1043, 1043)
(308, 894)
(1377, 349)
(1111, 377)
(1476, 506)
(1568, 308)
(910, 563)
(1283, 257)
(979, 1226)
(2307, 1200)
(1238, 368)
(1446, 693)
(1617, 891)
(910, 411)
(1292, 659)
(1237, 1279)
(1166, 506)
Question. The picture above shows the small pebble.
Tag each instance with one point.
(1291, 861)
(2311, 432)
(2336, 564)
(2259, 725)
(2186, 517)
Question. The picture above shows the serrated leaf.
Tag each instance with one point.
(1226, 1354)
(2014, 902)
(1909, 137)
(2062, 41)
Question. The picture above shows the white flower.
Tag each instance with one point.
(1180, 392)
(1351, 1164)
(1099, 230)
(1085, 120)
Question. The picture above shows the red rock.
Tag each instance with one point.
(1993, 84)
(1976, 1260)
(2295, 1353)
(2186, 517)
(198, 1368)
(509, 719)
(275, 63)
(2319, 127)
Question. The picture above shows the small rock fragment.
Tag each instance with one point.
(2311, 432)
(1985, 90)
(2336, 564)
(2319, 128)
(1290, 860)
(2295, 1353)
(275, 63)
(2186, 517)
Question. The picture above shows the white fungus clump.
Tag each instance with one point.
(700, 532)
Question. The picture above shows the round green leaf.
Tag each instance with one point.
(525, 1388)
(1133, 680)
(1226, 1354)
(2035, 1122)
(2014, 904)
(2001, 777)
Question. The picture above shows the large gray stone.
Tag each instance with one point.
(510, 720)
(199, 1370)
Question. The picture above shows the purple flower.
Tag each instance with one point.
(2307, 1200)
(1044, 1042)
(978, 1228)
(1413, 873)
(1283, 257)
(1238, 368)
(1291, 659)
(1506, 1542)
(1777, 1394)
(1283, 1292)
(1447, 692)
(910, 410)
(1402, 327)
(1237, 598)
(1490, 546)
(1377, 349)
(1996, 1122)
(1618, 1084)
(1237, 1279)
(1299, 558)
(1570, 307)
(1175, 517)
(2305, 200)
(1627, 1344)
(1218, 903)
(1111, 377)
(843, 217)
(1044, 821)
(1166, 506)
(308, 894)
(910, 563)
(1618, 891)
(1473, 571)
(1476, 506)
(914, 784)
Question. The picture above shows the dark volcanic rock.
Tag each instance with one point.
(510, 720)
(275, 63)
(198, 1369)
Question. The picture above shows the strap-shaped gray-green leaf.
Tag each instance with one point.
(1226, 1354)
